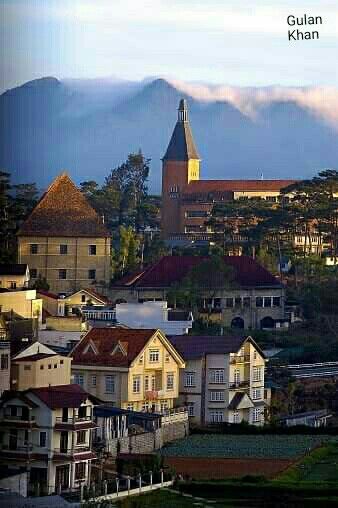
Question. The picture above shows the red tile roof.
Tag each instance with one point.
(48, 294)
(63, 211)
(203, 186)
(105, 340)
(171, 269)
(97, 295)
(61, 396)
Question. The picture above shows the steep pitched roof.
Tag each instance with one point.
(105, 341)
(61, 396)
(13, 269)
(171, 269)
(63, 211)
(181, 145)
(217, 186)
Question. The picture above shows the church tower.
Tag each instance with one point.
(180, 165)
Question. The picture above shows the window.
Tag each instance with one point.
(255, 355)
(43, 439)
(259, 301)
(238, 301)
(216, 396)
(49, 365)
(154, 355)
(229, 302)
(257, 374)
(61, 362)
(191, 409)
(267, 301)
(273, 199)
(79, 379)
(141, 359)
(189, 379)
(83, 298)
(237, 376)
(33, 273)
(167, 358)
(4, 362)
(256, 414)
(63, 274)
(246, 301)
(146, 383)
(276, 301)
(94, 380)
(199, 214)
(92, 250)
(41, 367)
(153, 382)
(81, 437)
(170, 381)
(136, 384)
(63, 249)
(236, 418)
(55, 365)
(145, 406)
(27, 367)
(25, 439)
(92, 274)
(80, 470)
(110, 384)
(34, 248)
(217, 303)
(164, 406)
(130, 406)
(216, 376)
(256, 394)
(12, 284)
(216, 416)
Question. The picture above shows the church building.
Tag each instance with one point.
(187, 201)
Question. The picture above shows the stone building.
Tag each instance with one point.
(65, 240)
(187, 201)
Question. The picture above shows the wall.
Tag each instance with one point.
(39, 373)
(23, 303)
(20, 281)
(77, 262)
(4, 372)
(67, 324)
(15, 483)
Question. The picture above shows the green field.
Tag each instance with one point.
(245, 446)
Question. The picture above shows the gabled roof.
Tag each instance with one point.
(34, 358)
(61, 396)
(105, 341)
(171, 269)
(181, 146)
(241, 400)
(47, 294)
(217, 186)
(63, 211)
(93, 293)
(13, 269)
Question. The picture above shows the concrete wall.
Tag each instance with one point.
(54, 370)
(15, 483)
(23, 303)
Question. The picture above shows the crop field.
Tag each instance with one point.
(245, 446)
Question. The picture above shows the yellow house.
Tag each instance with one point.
(65, 240)
(131, 369)
(39, 366)
(14, 276)
(22, 302)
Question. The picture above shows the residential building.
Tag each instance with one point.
(23, 302)
(65, 240)
(315, 419)
(131, 369)
(37, 366)
(187, 201)
(254, 300)
(63, 332)
(14, 276)
(48, 430)
(154, 314)
(5, 365)
(71, 304)
(223, 379)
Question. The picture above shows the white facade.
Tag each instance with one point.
(151, 315)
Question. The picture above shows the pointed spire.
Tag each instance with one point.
(181, 146)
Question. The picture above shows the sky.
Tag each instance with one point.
(242, 43)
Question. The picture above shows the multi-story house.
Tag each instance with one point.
(65, 240)
(14, 276)
(37, 366)
(73, 303)
(130, 369)
(48, 431)
(223, 380)
(254, 300)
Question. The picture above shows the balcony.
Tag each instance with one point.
(239, 385)
(26, 421)
(64, 452)
(15, 450)
(235, 360)
(85, 422)
(174, 415)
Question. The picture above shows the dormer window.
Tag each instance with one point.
(119, 349)
(90, 349)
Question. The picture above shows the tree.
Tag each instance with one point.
(41, 283)
(7, 222)
(127, 257)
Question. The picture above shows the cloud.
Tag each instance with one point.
(322, 101)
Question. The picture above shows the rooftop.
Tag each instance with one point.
(181, 146)
(63, 211)
(13, 269)
(171, 269)
(205, 186)
(60, 396)
(115, 347)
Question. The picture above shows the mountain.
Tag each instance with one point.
(89, 127)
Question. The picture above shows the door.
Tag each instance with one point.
(64, 442)
(65, 414)
(237, 376)
(62, 477)
(13, 439)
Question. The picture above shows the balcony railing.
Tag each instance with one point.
(17, 418)
(176, 414)
(239, 359)
(239, 384)
(16, 448)
(72, 451)
(73, 421)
